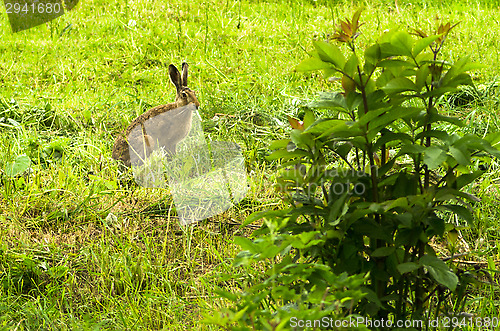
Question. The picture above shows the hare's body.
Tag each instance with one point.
(154, 127)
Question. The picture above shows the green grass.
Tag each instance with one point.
(80, 248)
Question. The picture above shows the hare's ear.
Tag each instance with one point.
(184, 74)
(175, 76)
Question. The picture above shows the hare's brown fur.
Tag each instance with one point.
(171, 133)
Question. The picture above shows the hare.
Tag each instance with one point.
(164, 125)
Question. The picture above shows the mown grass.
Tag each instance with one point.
(81, 247)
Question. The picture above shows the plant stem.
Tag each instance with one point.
(379, 285)
(419, 290)
(369, 145)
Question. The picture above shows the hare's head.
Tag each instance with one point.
(184, 94)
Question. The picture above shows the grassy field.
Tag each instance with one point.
(80, 245)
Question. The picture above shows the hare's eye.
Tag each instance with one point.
(184, 95)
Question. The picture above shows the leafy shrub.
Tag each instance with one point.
(370, 188)
(290, 290)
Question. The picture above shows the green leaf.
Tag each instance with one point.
(411, 149)
(438, 92)
(331, 101)
(364, 119)
(399, 84)
(383, 251)
(330, 53)
(388, 117)
(309, 118)
(353, 100)
(466, 179)
(423, 43)
(322, 124)
(291, 175)
(390, 63)
(343, 149)
(438, 134)
(388, 50)
(20, 165)
(452, 81)
(386, 167)
(442, 118)
(399, 202)
(373, 54)
(403, 41)
(421, 76)
(463, 65)
(437, 226)
(372, 296)
(351, 66)
(461, 155)
(301, 140)
(336, 209)
(434, 157)
(493, 138)
(254, 217)
(341, 130)
(285, 155)
(245, 244)
(440, 271)
(473, 66)
(330, 72)
(385, 77)
(445, 194)
(279, 144)
(227, 295)
(312, 64)
(460, 211)
(306, 237)
(407, 267)
(405, 185)
(474, 142)
(391, 137)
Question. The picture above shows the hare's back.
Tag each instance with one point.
(148, 115)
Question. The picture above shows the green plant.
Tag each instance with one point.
(370, 188)
(290, 293)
